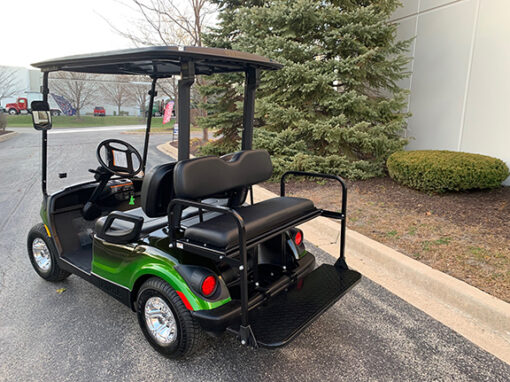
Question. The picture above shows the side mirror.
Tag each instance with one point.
(41, 115)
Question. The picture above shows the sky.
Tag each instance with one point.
(37, 30)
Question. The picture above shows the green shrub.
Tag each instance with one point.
(441, 171)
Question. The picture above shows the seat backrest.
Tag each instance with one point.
(157, 190)
(206, 176)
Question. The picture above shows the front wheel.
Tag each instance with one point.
(12, 112)
(165, 321)
(43, 254)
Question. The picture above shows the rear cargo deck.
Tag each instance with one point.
(289, 313)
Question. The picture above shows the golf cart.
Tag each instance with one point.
(184, 245)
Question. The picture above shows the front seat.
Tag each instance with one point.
(157, 191)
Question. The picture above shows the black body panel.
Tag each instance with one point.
(217, 320)
(70, 231)
(119, 292)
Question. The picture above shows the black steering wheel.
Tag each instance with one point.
(119, 158)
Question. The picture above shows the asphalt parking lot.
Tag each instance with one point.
(83, 334)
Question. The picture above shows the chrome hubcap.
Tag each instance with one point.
(160, 321)
(41, 254)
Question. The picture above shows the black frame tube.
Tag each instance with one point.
(183, 107)
(329, 214)
(251, 83)
(152, 94)
(243, 268)
(45, 91)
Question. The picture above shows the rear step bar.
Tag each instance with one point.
(289, 313)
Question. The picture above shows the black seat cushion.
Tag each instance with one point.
(221, 231)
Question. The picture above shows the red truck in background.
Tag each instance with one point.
(21, 106)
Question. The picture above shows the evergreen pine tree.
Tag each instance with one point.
(335, 106)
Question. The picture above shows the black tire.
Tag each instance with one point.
(12, 112)
(54, 273)
(188, 331)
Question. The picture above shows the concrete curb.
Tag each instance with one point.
(7, 136)
(476, 315)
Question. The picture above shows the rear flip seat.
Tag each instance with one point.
(221, 231)
(199, 178)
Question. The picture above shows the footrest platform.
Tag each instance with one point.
(289, 313)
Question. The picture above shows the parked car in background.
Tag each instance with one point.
(99, 111)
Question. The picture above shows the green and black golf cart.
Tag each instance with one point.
(192, 254)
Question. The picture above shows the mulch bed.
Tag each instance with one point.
(466, 235)
(194, 147)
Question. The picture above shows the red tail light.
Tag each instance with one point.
(209, 286)
(298, 238)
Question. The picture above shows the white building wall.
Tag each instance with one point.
(460, 81)
(24, 82)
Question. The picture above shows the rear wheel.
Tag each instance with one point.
(165, 321)
(43, 255)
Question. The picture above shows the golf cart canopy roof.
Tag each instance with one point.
(160, 61)
(163, 62)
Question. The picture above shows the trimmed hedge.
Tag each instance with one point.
(442, 171)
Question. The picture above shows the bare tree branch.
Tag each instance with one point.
(168, 86)
(9, 84)
(170, 22)
(167, 22)
(139, 92)
(79, 88)
(118, 90)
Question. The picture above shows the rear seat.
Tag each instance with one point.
(199, 178)
(221, 231)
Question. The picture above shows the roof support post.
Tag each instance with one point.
(250, 86)
(45, 91)
(183, 107)
(152, 93)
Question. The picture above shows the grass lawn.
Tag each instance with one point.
(91, 121)
(465, 234)
(83, 121)
(158, 127)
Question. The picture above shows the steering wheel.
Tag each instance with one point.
(119, 158)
